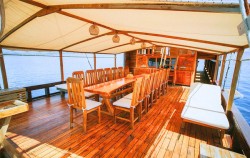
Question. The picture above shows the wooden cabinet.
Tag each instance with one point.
(183, 77)
(185, 70)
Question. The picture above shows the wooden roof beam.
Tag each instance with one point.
(117, 46)
(181, 6)
(182, 38)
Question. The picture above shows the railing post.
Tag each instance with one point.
(3, 70)
(94, 61)
(47, 92)
(222, 69)
(61, 65)
(216, 67)
(115, 60)
(235, 79)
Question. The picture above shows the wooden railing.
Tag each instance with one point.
(42, 86)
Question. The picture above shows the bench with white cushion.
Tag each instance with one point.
(204, 107)
(63, 88)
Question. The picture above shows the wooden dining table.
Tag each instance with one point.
(110, 89)
(107, 90)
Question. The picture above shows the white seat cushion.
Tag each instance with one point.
(206, 117)
(123, 102)
(205, 96)
(90, 104)
(88, 94)
(128, 96)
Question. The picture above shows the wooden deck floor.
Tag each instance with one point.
(44, 131)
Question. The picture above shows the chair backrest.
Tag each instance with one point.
(78, 74)
(100, 78)
(90, 78)
(144, 87)
(76, 97)
(115, 73)
(136, 91)
(108, 74)
(154, 86)
(167, 75)
(149, 84)
(121, 72)
(159, 78)
(126, 71)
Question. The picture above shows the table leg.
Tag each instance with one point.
(4, 127)
(108, 105)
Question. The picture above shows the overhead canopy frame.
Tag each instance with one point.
(63, 25)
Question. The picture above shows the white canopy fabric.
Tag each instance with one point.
(64, 25)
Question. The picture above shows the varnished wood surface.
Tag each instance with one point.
(44, 131)
(107, 88)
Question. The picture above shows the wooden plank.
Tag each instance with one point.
(44, 131)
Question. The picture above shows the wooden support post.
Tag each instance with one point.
(216, 69)
(115, 60)
(222, 69)
(94, 61)
(61, 65)
(235, 79)
(3, 70)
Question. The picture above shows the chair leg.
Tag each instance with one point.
(71, 117)
(99, 114)
(114, 115)
(132, 117)
(84, 121)
(139, 111)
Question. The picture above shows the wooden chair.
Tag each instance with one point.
(154, 87)
(129, 105)
(143, 93)
(126, 71)
(108, 74)
(159, 83)
(160, 86)
(121, 72)
(148, 90)
(80, 75)
(76, 100)
(90, 78)
(100, 78)
(165, 81)
(115, 73)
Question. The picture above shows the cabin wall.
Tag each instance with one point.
(130, 60)
(181, 61)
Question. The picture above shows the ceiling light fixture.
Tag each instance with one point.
(143, 45)
(94, 30)
(116, 38)
(132, 41)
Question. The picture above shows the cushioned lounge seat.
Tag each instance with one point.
(204, 106)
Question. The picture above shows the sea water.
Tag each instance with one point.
(44, 67)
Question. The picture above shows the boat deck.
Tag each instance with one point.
(44, 131)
